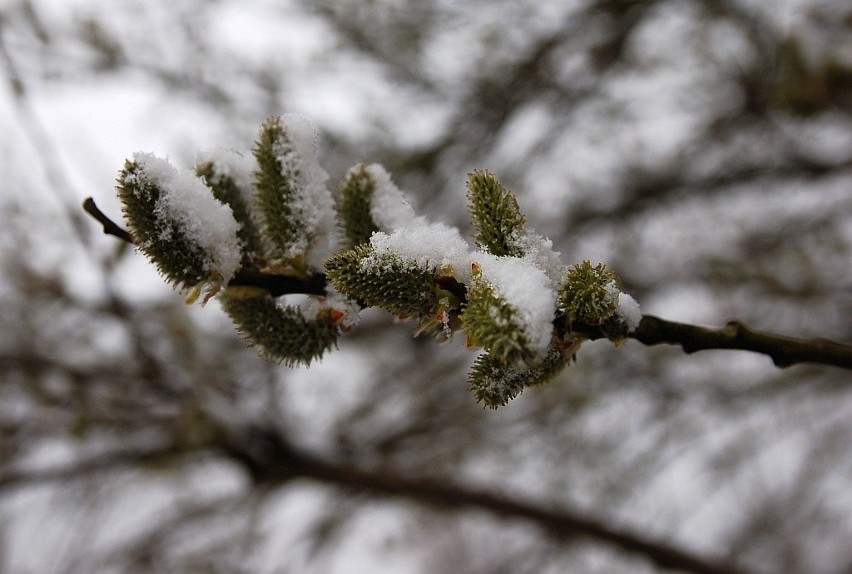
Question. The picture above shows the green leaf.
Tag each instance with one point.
(495, 214)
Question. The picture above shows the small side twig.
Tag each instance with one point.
(110, 227)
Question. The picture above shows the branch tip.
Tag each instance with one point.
(109, 226)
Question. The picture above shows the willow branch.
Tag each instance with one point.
(278, 285)
(784, 351)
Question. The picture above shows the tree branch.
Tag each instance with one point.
(784, 351)
(86, 467)
(270, 460)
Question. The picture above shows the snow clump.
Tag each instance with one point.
(528, 290)
(186, 203)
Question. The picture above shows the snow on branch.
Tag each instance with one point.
(256, 227)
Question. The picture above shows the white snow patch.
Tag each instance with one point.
(187, 202)
(238, 166)
(528, 290)
(539, 251)
(296, 152)
(424, 245)
(388, 207)
(628, 309)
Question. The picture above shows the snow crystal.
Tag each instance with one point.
(527, 289)
(188, 203)
(424, 245)
(296, 152)
(388, 208)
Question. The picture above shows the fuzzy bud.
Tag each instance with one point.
(353, 206)
(236, 193)
(495, 382)
(384, 281)
(190, 236)
(510, 309)
(298, 216)
(281, 333)
(496, 215)
(586, 293)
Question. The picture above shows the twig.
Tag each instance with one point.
(110, 227)
(278, 285)
(784, 351)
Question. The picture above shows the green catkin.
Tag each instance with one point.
(276, 192)
(281, 333)
(353, 206)
(495, 382)
(496, 215)
(586, 293)
(388, 282)
(491, 323)
(226, 190)
(178, 259)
